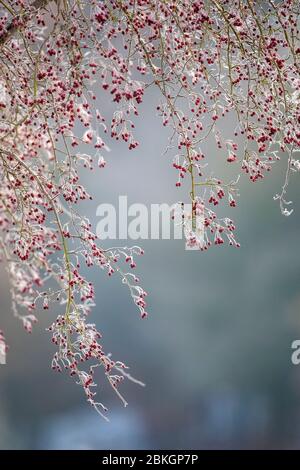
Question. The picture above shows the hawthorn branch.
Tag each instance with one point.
(13, 26)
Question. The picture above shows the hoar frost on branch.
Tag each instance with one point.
(208, 59)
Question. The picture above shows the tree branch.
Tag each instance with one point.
(12, 27)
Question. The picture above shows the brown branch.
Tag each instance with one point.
(12, 27)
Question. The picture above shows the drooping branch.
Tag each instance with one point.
(14, 25)
(212, 61)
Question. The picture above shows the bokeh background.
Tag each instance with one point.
(215, 352)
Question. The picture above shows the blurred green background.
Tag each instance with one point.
(215, 352)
